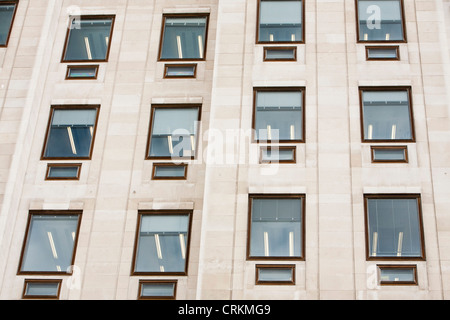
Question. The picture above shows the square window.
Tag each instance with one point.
(70, 132)
(380, 21)
(279, 114)
(88, 39)
(280, 21)
(276, 227)
(41, 289)
(386, 115)
(50, 242)
(173, 132)
(162, 243)
(394, 227)
(184, 37)
(7, 13)
(157, 289)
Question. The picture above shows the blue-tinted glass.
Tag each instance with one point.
(280, 21)
(6, 15)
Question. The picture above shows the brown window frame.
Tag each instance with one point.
(183, 15)
(294, 58)
(258, 13)
(189, 213)
(169, 164)
(249, 225)
(398, 266)
(88, 17)
(278, 89)
(52, 165)
(16, 4)
(25, 240)
(142, 282)
(45, 297)
(192, 65)
(411, 112)
(402, 11)
(173, 106)
(404, 148)
(267, 148)
(85, 66)
(418, 199)
(68, 107)
(274, 266)
(396, 48)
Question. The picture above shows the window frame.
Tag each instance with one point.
(146, 281)
(141, 213)
(169, 164)
(270, 148)
(16, 4)
(396, 48)
(89, 17)
(180, 65)
(398, 266)
(49, 124)
(258, 14)
(274, 282)
(278, 89)
(252, 196)
(183, 15)
(402, 12)
(150, 130)
(408, 89)
(52, 165)
(418, 199)
(392, 147)
(283, 48)
(79, 213)
(45, 297)
(85, 66)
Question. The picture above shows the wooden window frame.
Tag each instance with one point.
(68, 107)
(397, 266)
(192, 65)
(169, 164)
(52, 165)
(44, 297)
(16, 4)
(387, 88)
(142, 282)
(142, 213)
(267, 148)
(402, 12)
(183, 15)
(278, 89)
(404, 148)
(172, 106)
(294, 58)
(79, 213)
(86, 66)
(89, 17)
(249, 225)
(274, 266)
(418, 199)
(396, 48)
(258, 13)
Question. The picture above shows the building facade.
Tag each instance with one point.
(224, 149)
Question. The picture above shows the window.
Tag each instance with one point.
(162, 242)
(180, 71)
(88, 39)
(169, 171)
(386, 115)
(157, 289)
(271, 274)
(276, 227)
(7, 13)
(380, 21)
(50, 241)
(279, 114)
(41, 289)
(382, 53)
(394, 227)
(184, 37)
(280, 53)
(173, 131)
(71, 132)
(398, 274)
(63, 171)
(389, 154)
(284, 154)
(280, 21)
(83, 72)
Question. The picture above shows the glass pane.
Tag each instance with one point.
(85, 72)
(63, 172)
(71, 132)
(50, 243)
(169, 171)
(174, 132)
(157, 289)
(275, 154)
(6, 15)
(275, 274)
(280, 21)
(389, 154)
(280, 54)
(48, 289)
(397, 274)
(279, 115)
(386, 115)
(162, 243)
(88, 39)
(382, 53)
(380, 20)
(394, 228)
(180, 71)
(184, 38)
(276, 228)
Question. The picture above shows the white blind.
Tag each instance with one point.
(389, 10)
(291, 99)
(74, 117)
(167, 121)
(164, 223)
(385, 96)
(281, 12)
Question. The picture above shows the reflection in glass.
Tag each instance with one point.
(280, 21)
(6, 16)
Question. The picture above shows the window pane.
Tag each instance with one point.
(276, 154)
(162, 243)
(387, 115)
(279, 115)
(382, 53)
(88, 72)
(274, 53)
(184, 38)
(56, 172)
(41, 289)
(276, 228)
(394, 229)
(157, 290)
(174, 132)
(389, 154)
(6, 16)
(397, 274)
(280, 21)
(275, 274)
(380, 20)
(170, 171)
(88, 39)
(180, 71)
(71, 132)
(50, 243)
